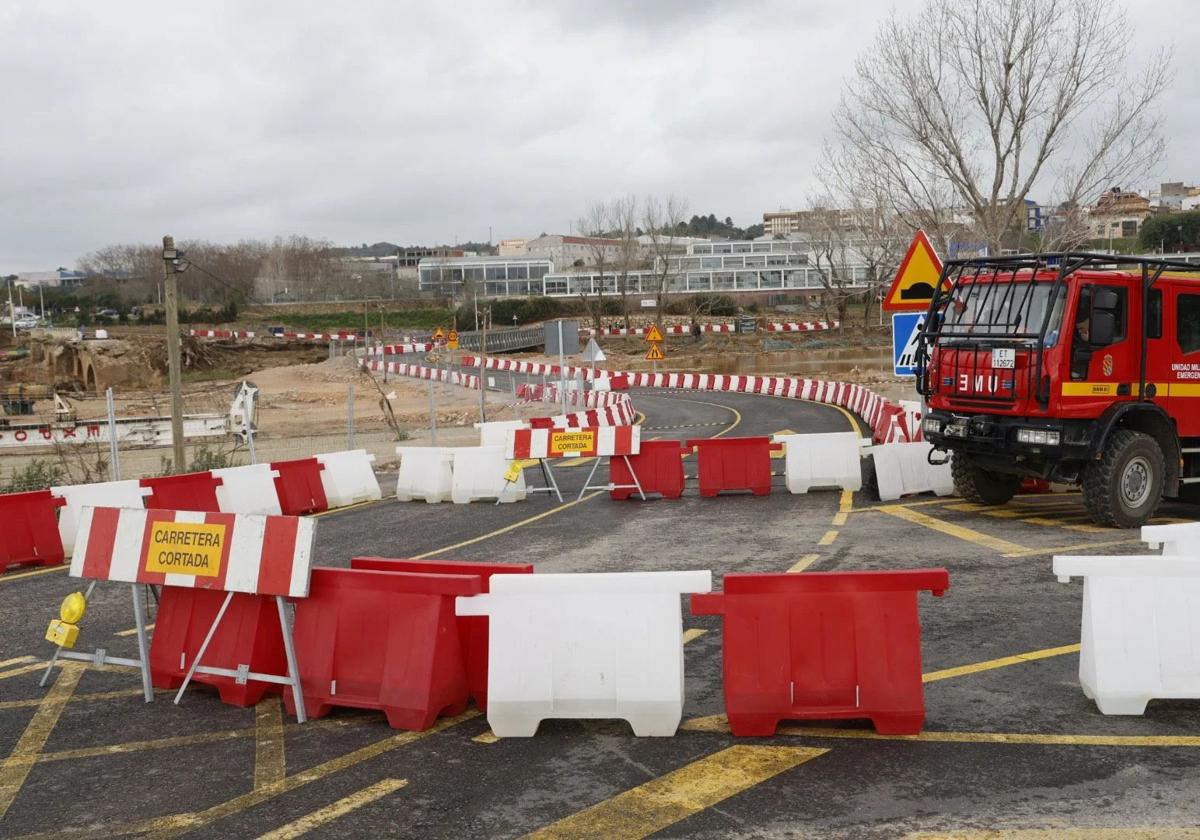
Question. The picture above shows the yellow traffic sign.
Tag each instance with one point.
(914, 283)
(654, 335)
(656, 353)
(452, 340)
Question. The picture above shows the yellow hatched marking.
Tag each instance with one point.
(15, 769)
(952, 530)
(1154, 833)
(1072, 549)
(662, 802)
(488, 737)
(95, 695)
(34, 573)
(269, 762)
(335, 810)
(692, 634)
(16, 660)
(1003, 662)
(828, 538)
(844, 507)
(719, 724)
(25, 669)
(132, 630)
(804, 562)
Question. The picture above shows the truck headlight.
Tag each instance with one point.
(931, 425)
(1038, 437)
(956, 428)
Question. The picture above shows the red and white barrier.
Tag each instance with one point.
(686, 329)
(803, 326)
(602, 441)
(296, 336)
(267, 555)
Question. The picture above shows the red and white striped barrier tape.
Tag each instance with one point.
(600, 441)
(298, 336)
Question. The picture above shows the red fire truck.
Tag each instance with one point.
(1072, 367)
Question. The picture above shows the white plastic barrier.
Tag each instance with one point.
(904, 468)
(822, 460)
(1181, 538)
(348, 478)
(125, 494)
(248, 489)
(585, 646)
(424, 473)
(478, 473)
(495, 432)
(1139, 636)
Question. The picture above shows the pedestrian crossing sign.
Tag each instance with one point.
(906, 327)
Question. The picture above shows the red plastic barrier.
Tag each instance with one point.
(472, 629)
(734, 464)
(619, 382)
(248, 634)
(299, 486)
(190, 491)
(29, 529)
(823, 645)
(541, 423)
(659, 468)
(382, 640)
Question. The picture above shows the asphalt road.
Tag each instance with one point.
(1010, 743)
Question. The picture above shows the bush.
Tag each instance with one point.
(38, 474)
(718, 305)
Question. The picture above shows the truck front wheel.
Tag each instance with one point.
(980, 486)
(1124, 487)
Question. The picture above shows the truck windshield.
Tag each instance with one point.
(982, 308)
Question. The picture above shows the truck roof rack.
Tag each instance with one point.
(1052, 261)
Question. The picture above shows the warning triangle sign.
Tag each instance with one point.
(914, 283)
(593, 353)
(656, 353)
(653, 334)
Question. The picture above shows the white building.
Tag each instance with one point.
(573, 250)
(60, 277)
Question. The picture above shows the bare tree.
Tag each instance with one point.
(959, 112)
(624, 225)
(661, 219)
(594, 225)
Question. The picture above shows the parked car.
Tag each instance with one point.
(27, 322)
(110, 314)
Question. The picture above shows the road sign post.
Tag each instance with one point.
(654, 355)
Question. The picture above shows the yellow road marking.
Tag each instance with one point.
(269, 762)
(173, 825)
(15, 769)
(951, 530)
(19, 575)
(16, 660)
(1072, 549)
(334, 810)
(718, 723)
(1150, 833)
(693, 634)
(844, 507)
(804, 562)
(488, 737)
(662, 802)
(24, 669)
(828, 539)
(880, 508)
(1024, 515)
(1003, 662)
(347, 507)
(132, 630)
(96, 695)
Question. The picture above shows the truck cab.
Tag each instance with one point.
(1075, 368)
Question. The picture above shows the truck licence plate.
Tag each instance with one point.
(1004, 358)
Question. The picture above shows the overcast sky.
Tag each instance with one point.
(427, 122)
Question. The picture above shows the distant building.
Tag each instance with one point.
(411, 257)
(789, 222)
(1174, 195)
(573, 250)
(1118, 214)
(59, 278)
(492, 276)
(514, 247)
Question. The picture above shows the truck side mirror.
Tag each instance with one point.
(1106, 299)
(1103, 327)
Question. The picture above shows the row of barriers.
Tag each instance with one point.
(686, 329)
(286, 335)
(889, 422)
(41, 527)
(418, 640)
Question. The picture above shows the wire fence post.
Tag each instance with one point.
(432, 415)
(249, 425)
(114, 452)
(350, 416)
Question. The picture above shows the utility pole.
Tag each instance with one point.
(12, 313)
(170, 256)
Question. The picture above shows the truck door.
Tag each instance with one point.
(1104, 355)
(1183, 373)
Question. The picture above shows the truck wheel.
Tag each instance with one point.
(980, 486)
(1124, 487)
